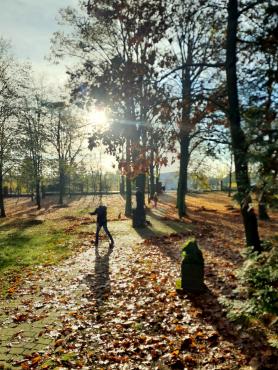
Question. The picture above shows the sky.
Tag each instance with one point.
(29, 25)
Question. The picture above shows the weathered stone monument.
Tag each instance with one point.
(192, 268)
(139, 214)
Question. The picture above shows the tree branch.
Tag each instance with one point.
(250, 6)
(209, 65)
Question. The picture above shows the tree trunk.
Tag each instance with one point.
(152, 185)
(43, 191)
(239, 145)
(140, 183)
(184, 134)
(61, 182)
(230, 177)
(122, 185)
(38, 195)
(182, 183)
(128, 198)
(157, 178)
(263, 215)
(2, 206)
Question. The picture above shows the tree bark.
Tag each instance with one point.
(185, 134)
(140, 183)
(128, 196)
(152, 185)
(230, 177)
(239, 145)
(2, 206)
(38, 195)
(61, 182)
(263, 215)
(182, 183)
(122, 185)
(157, 178)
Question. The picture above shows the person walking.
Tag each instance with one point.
(101, 213)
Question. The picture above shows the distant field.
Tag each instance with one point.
(29, 237)
(74, 206)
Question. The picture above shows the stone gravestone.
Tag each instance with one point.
(192, 268)
(139, 214)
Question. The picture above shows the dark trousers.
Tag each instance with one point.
(104, 225)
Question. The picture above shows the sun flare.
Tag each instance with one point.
(98, 117)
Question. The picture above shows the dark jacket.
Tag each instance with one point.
(101, 213)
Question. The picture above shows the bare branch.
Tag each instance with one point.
(208, 65)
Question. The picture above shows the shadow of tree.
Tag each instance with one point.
(15, 242)
(20, 224)
(251, 342)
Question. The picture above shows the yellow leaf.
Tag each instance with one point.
(172, 294)
(36, 360)
(25, 366)
(175, 353)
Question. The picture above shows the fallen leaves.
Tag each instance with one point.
(121, 311)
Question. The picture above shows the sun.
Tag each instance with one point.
(98, 117)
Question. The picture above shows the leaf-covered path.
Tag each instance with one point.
(118, 308)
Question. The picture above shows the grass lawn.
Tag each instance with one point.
(32, 242)
(31, 237)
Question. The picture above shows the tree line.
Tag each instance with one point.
(177, 77)
(41, 136)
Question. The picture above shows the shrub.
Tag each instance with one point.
(257, 292)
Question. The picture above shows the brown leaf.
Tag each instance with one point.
(20, 317)
(189, 359)
(213, 339)
(58, 342)
(181, 329)
(187, 344)
(25, 366)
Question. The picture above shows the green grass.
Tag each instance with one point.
(25, 243)
(161, 227)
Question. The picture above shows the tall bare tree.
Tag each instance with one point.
(33, 129)
(66, 139)
(9, 81)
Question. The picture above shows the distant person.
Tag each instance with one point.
(101, 213)
(155, 199)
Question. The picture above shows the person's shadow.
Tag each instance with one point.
(99, 282)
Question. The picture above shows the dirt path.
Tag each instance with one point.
(118, 308)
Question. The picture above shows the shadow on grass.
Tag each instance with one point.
(24, 243)
(28, 207)
(225, 252)
(9, 257)
(20, 224)
(176, 225)
(14, 243)
(253, 344)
